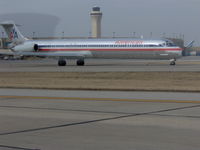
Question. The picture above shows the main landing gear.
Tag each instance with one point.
(79, 62)
(61, 62)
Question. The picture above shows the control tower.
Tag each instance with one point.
(96, 16)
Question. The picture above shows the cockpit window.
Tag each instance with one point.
(170, 44)
(162, 45)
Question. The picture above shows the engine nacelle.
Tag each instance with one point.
(26, 47)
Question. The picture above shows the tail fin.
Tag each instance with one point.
(12, 32)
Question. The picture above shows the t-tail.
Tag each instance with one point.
(13, 33)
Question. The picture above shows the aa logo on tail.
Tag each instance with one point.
(13, 34)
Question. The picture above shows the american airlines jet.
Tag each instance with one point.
(91, 48)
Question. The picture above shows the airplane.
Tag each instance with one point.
(80, 49)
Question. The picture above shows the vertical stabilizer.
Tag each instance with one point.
(12, 32)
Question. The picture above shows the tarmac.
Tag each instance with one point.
(191, 63)
(56, 119)
(34, 119)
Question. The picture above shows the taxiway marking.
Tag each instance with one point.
(100, 99)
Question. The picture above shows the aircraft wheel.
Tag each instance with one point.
(61, 63)
(80, 62)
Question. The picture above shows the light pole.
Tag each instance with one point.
(151, 34)
(134, 34)
(113, 34)
(33, 34)
(63, 34)
(90, 34)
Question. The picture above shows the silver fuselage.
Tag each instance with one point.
(113, 48)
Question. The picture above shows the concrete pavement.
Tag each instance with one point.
(51, 119)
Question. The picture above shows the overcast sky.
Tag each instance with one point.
(124, 17)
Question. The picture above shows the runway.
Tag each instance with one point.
(191, 63)
(58, 119)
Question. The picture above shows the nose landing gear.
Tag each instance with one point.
(172, 62)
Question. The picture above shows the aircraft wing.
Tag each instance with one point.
(70, 54)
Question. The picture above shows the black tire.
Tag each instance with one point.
(61, 63)
(172, 63)
(80, 62)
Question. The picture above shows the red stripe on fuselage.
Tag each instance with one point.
(147, 49)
